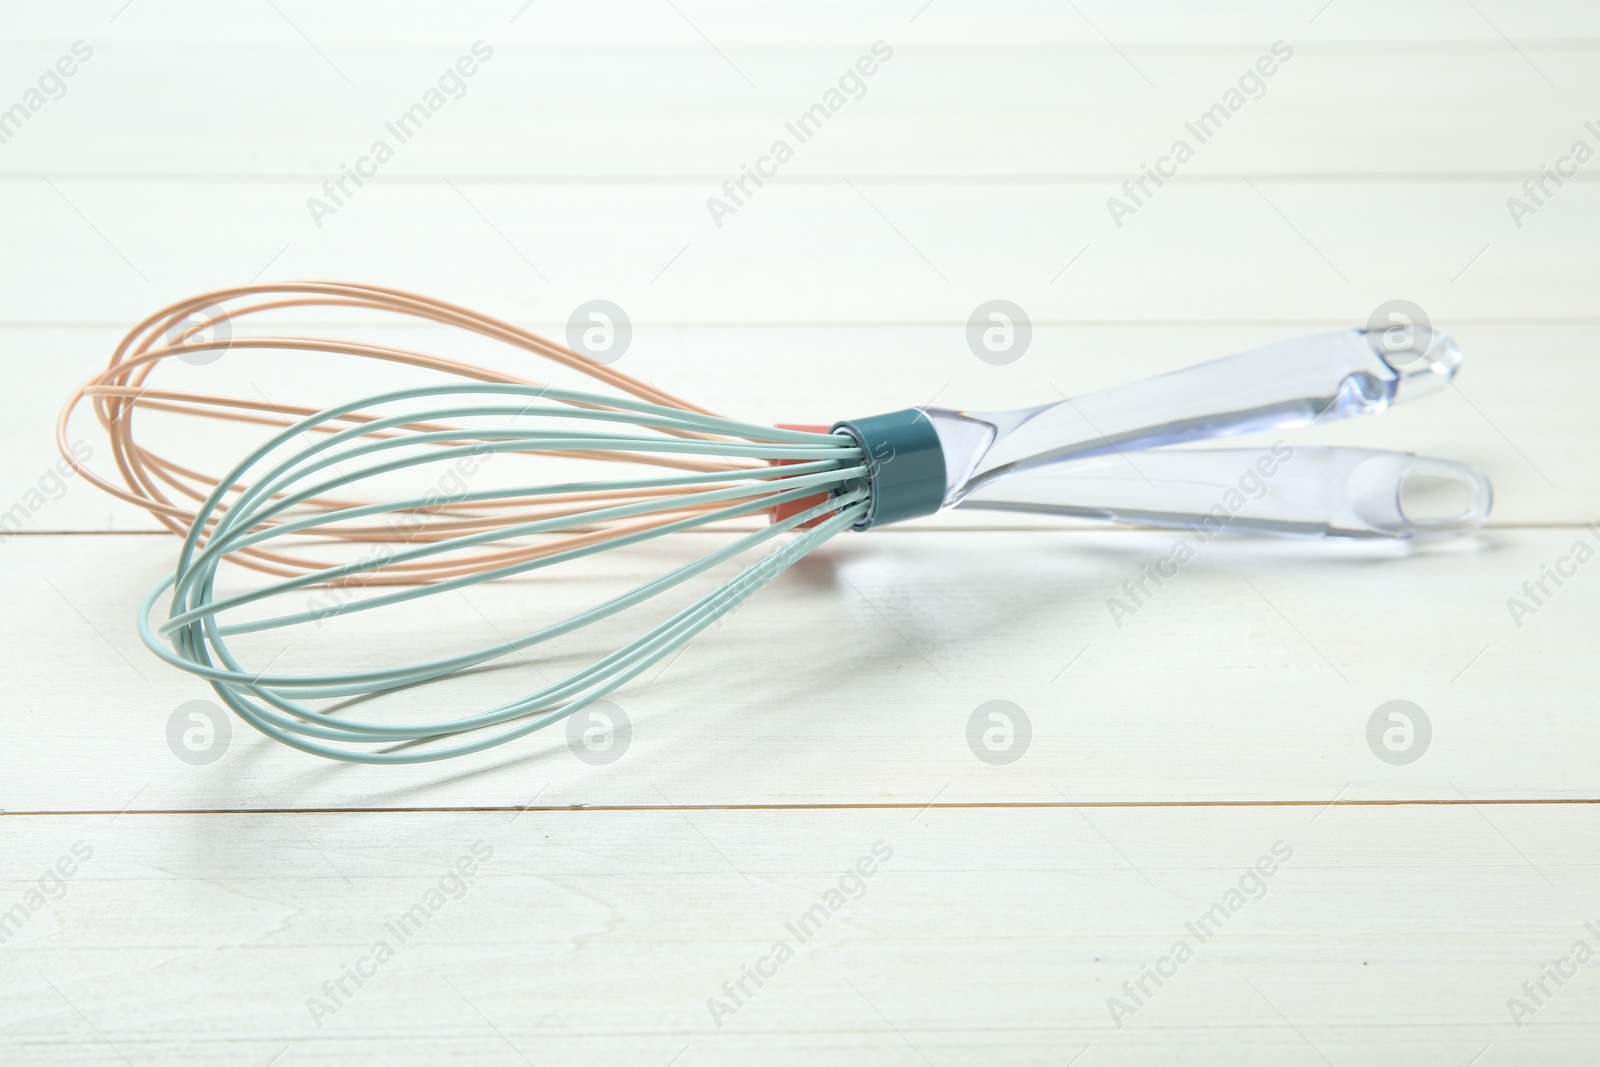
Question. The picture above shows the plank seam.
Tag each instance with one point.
(838, 806)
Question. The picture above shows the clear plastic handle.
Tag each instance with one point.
(1295, 383)
(1304, 491)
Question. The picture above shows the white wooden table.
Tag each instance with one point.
(1024, 913)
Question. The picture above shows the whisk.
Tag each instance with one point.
(318, 483)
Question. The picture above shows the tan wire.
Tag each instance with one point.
(170, 491)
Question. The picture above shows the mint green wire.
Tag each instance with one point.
(271, 698)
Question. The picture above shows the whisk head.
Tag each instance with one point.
(374, 506)
(571, 520)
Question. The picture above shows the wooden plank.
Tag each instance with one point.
(1387, 936)
(958, 113)
(872, 252)
(856, 678)
(644, 25)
